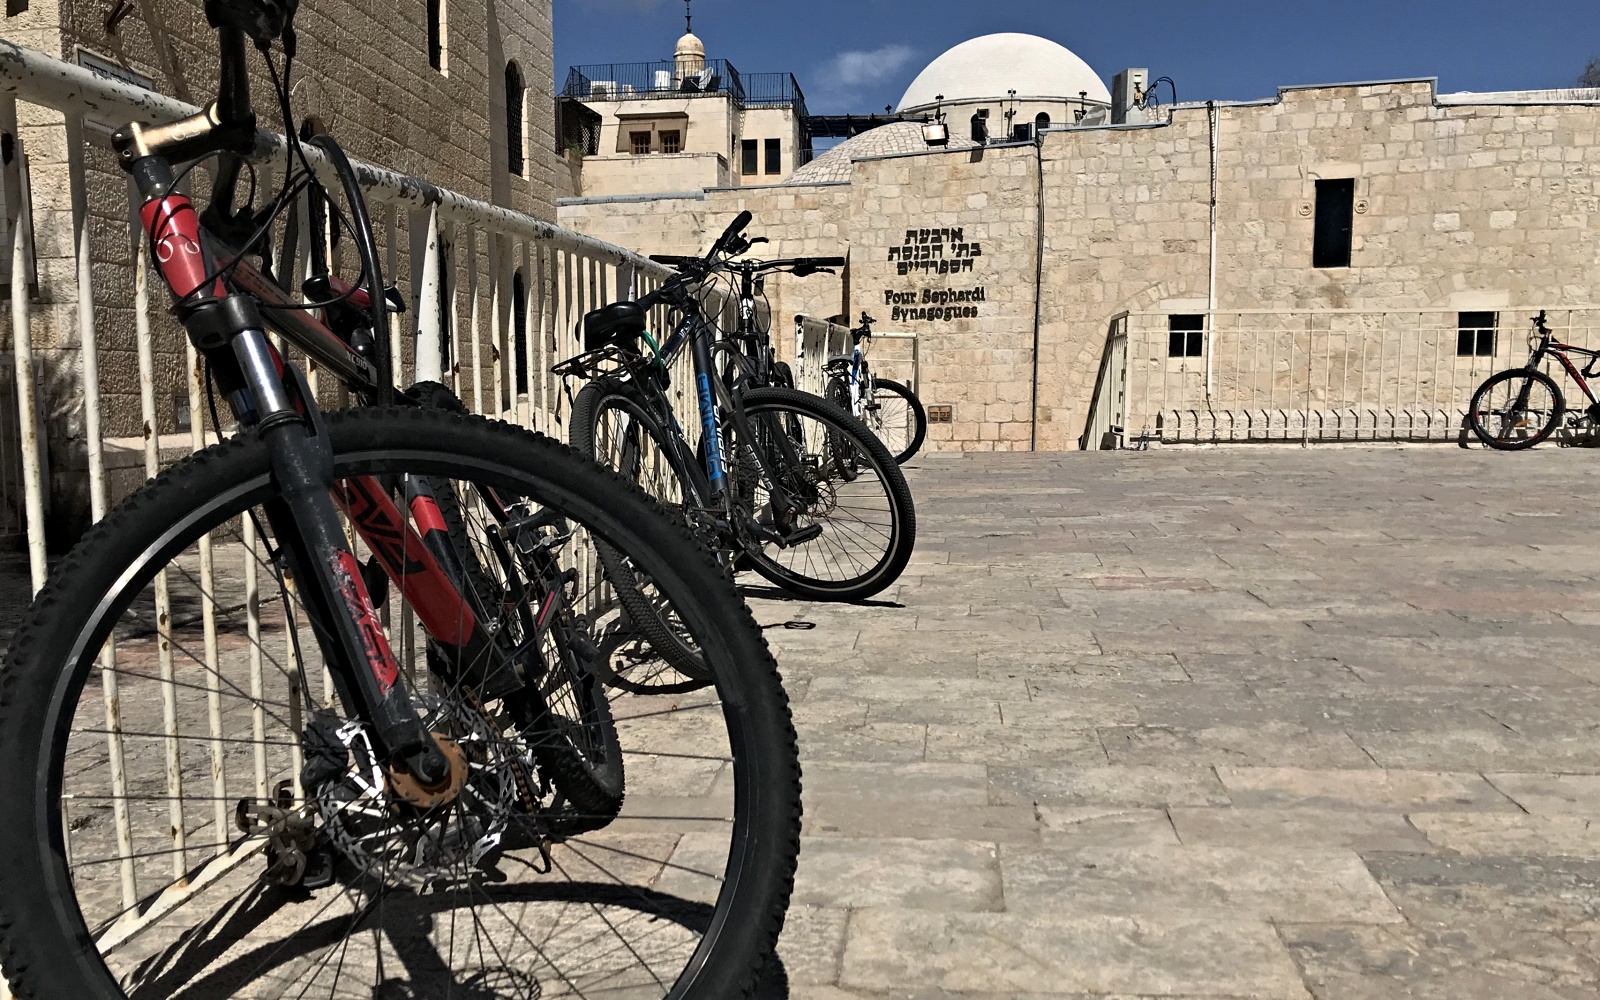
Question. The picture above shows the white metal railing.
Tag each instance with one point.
(1310, 375)
(496, 300)
(896, 356)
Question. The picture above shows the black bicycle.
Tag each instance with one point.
(780, 478)
(320, 710)
(1520, 407)
(888, 408)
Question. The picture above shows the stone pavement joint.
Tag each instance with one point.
(1256, 722)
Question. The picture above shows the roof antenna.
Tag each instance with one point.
(688, 16)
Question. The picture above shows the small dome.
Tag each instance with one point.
(988, 68)
(885, 140)
(690, 45)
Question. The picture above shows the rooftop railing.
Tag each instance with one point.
(643, 81)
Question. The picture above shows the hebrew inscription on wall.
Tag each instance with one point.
(933, 253)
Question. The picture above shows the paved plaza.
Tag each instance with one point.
(1258, 722)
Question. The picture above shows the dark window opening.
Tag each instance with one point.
(514, 98)
(774, 156)
(749, 149)
(15, 7)
(641, 143)
(1042, 121)
(436, 34)
(1186, 336)
(1475, 334)
(980, 126)
(672, 142)
(1335, 223)
(519, 330)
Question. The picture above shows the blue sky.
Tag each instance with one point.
(859, 55)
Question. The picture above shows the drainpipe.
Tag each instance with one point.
(1038, 295)
(1211, 265)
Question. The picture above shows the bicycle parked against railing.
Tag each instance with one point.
(752, 362)
(186, 816)
(1521, 407)
(889, 409)
(781, 478)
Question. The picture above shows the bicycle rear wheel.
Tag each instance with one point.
(895, 415)
(854, 525)
(166, 689)
(1516, 409)
(612, 425)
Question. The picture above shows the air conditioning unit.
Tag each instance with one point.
(629, 89)
(602, 88)
(664, 79)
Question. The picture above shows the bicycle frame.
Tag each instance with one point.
(1548, 345)
(221, 310)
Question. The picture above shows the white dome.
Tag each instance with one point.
(988, 68)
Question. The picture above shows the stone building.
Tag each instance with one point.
(1011, 260)
(456, 92)
(682, 125)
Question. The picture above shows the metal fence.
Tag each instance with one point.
(496, 298)
(1310, 375)
(644, 81)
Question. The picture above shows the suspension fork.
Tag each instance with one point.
(229, 328)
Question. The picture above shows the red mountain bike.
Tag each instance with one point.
(1521, 407)
(222, 778)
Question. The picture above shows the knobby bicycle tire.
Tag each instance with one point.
(652, 620)
(1479, 410)
(47, 948)
(845, 460)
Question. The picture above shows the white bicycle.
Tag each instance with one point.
(891, 410)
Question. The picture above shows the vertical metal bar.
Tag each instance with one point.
(90, 355)
(497, 252)
(541, 299)
(475, 296)
(163, 600)
(448, 306)
(252, 610)
(22, 354)
(391, 226)
(429, 345)
(208, 612)
(530, 342)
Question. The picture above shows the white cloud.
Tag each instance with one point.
(856, 68)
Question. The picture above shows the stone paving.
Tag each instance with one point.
(1259, 722)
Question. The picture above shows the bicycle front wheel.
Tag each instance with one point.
(844, 509)
(895, 415)
(1516, 409)
(194, 812)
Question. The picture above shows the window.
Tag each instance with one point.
(774, 156)
(672, 142)
(980, 126)
(1475, 334)
(519, 330)
(641, 143)
(1041, 122)
(1335, 222)
(514, 105)
(748, 148)
(436, 37)
(1186, 336)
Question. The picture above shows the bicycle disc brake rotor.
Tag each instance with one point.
(394, 830)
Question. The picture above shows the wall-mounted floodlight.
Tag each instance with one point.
(936, 133)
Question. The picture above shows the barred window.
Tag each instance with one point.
(1475, 334)
(515, 92)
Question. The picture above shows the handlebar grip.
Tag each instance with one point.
(673, 260)
(731, 233)
(825, 261)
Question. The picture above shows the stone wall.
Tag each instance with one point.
(1457, 206)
